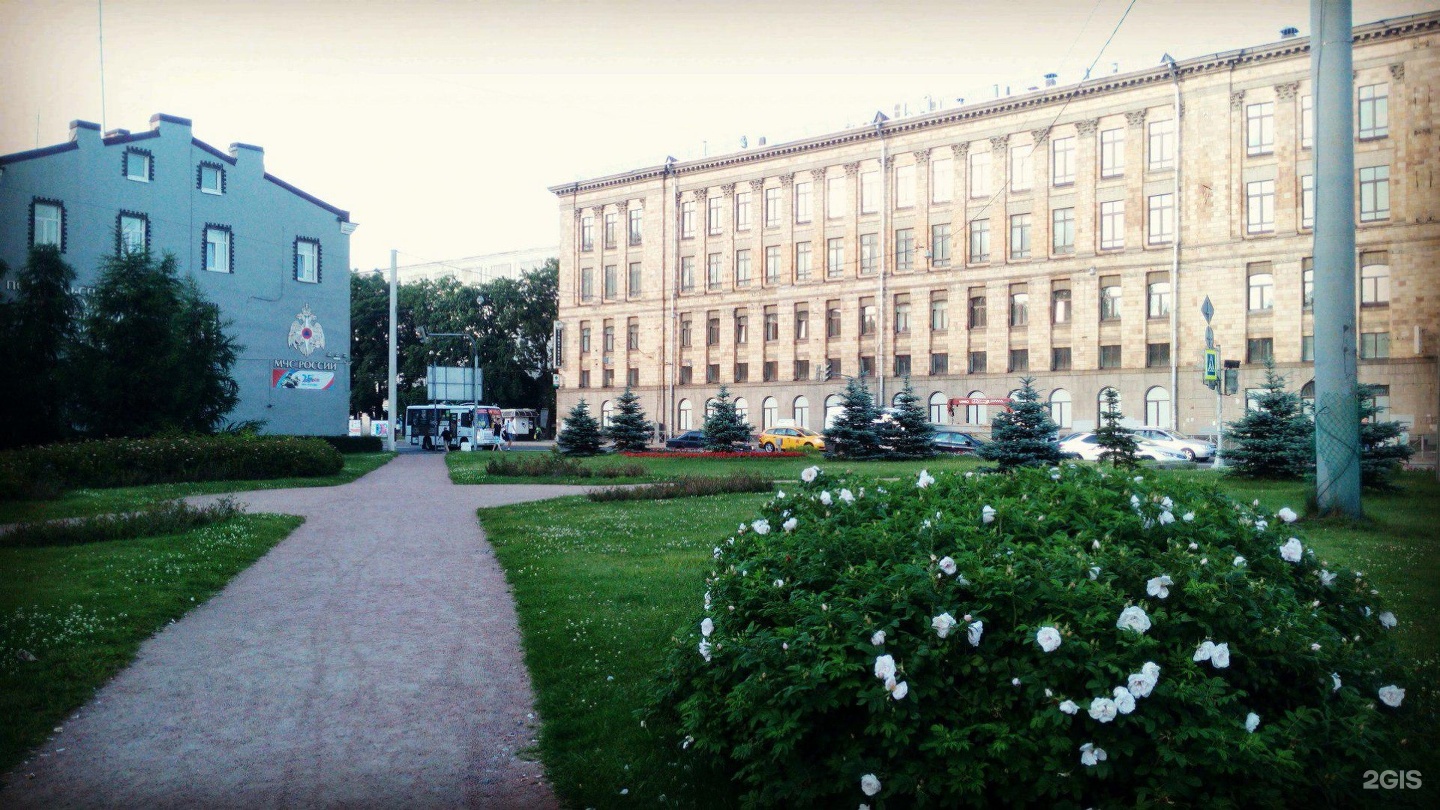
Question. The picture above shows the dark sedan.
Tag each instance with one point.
(689, 440)
(955, 441)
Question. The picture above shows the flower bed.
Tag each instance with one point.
(1060, 637)
(709, 454)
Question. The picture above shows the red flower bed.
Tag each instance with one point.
(708, 454)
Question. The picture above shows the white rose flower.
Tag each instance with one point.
(987, 515)
(1315, 647)
(1252, 722)
(717, 552)
(1048, 638)
(705, 651)
(1133, 618)
(974, 632)
(790, 525)
(948, 566)
(847, 496)
(1048, 693)
(1166, 503)
(1139, 478)
(1103, 709)
(1239, 561)
(942, 624)
(899, 691)
(1135, 502)
(1392, 695)
(1139, 685)
(885, 667)
(1159, 586)
(1166, 517)
(870, 784)
(1287, 514)
(1014, 681)
(1055, 476)
(761, 526)
(1255, 502)
(1188, 517)
(1335, 681)
(809, 473)
(780, 496)
(1090, 755)
(1327, 579)
(1387, 620)
(1204, 651)
(1069, 707)
(1204, 560)
(707, 600)
(779, 583)
(1095, 544)
(1292, 550)
(825, 497)
(1261, 525)
(925, 479)
(878, 638)
(1094, 572)
(1220, 657)
(707, 627)
(1124, 700)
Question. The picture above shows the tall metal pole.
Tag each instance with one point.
(100, 10)
(1337, 424)
(394, 398)
(880, 401)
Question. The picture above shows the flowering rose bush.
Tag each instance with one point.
(1104, 658)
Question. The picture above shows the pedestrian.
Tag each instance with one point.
(508, 434)
(445, 437)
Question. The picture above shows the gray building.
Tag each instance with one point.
(510, 264)
(274, 258)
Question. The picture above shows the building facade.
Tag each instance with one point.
(1070, 234)
(511, 264)
(272, 257)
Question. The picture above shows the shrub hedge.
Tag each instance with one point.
(165, 517)
(555, 465)
(1060, 637)
(356, 444)
(686, 486)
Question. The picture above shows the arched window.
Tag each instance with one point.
(976, 414)
(686, 415)
(742, 409)
(1307, 398)
(939, 414)
(1157, 407)
(607, 412)
(1060, 407)
(769, 412)
(833, 409)
(801, 409)
(709, 407)
(1100, 405)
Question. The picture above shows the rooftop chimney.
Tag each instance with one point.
(84, 132)
(1050, 79)
(247, 155)
(1289, 33)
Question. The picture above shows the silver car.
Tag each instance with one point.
(1087, 446)
(1191, 449)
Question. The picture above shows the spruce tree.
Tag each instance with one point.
(629, 430)
(1024, 435)
(581, 434)
(1381, 451)
(1274, 439)
(854, 434)
(1119, 443)
(908, 434)
(39, 340)
(724, 429)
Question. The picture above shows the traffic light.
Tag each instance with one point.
(828, 372)
(1232, 377)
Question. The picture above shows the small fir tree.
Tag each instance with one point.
(1381, 451)
(1274, 439)
(724, 429)
(908, 434)
(1119, 443)
(855, 434)
(1024, 435)
(581, 434)
(629, 430)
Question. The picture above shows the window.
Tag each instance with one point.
(1019, 236)
(1112, 225)
(938, 410)
(772, 324)
(801, 410)
(1157, 407)
(584, 379)
(904, 249)
(1262, 287)
(802, 261)
(869, 253)
(742, 372)
(939, 312)
(612, 281)
(712, 376)
(713, 268)
(714, 207)
(802, 322)
(686, 413)
(712, 331)
(902, 365)
(742, 327)
(1062, 161)
(1260, 128)
(835, 197)
(1307, 348)
(1307, 283)
(632, 336)
(1060, 358)
(1307, 201)
(772, 207)
(942, 180)
(686, 331)
(1259, 350)
(742, 210)
(939, 363)
(612, 226)
(210, 178)
(218, 257)
(832, 319)
(803, 204)
(1374, 279)
(1060, 405)
(1102, 408)
(1019, 359)
(1157, 299)
(1374, 111)
(867, 366)
(868, 316)
(1374, 193)
(1112, 153)
(940, 245)
(834, 407)
(977, 362)
(802, 369)
(587, 232)
(979, 174)
(687, 274)
(1379, 398)
(979, 241)
(138, 165)
(633, 282)
(1110, 301)
(1157, 355)
(632, 377)
(1022, 167)
(134, 232)
(835, 257)
(977, 312)
(47, 223)
(584, 338)
(772, 264)
(975, 414)
(1162, 145)
(1374, 345)
(1307, 122)
(1260, 206)
(905, 186)
(687, 220)
(1161, 225)
(742, 268)
(902, 313)
(1019, 307)
(607, 340)
(1060, 306)
(1062, 231)
(637, 229)
(307, 260)
(1110, 356)
(769, 413)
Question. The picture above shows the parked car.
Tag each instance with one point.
(790, 438)
(950, 440)
(689, 440)
(1191, 448)
(1087, 446)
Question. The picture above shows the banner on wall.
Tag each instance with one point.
(298, 379)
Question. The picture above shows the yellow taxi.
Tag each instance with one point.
(791, 438)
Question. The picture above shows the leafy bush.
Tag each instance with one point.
(555, 465)
(165, 459)
(356, 444)
(166, 517)
(720, 454)
(686, 486)
(1058, 637)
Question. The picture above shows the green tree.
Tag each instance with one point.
(629, 430)
(1274, 439)
(1381, 450)
(909, 434)
(39, 341)
(1023, 435)
(1119, 443)
(724, 429)
(854, 434)
(369, 343)
(581, 434)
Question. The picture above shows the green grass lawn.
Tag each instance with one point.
(469, 468)
(82, 502)
(602, 587)
(84, 610)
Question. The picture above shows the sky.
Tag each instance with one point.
(439, 124)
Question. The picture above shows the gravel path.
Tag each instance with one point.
(372, 659)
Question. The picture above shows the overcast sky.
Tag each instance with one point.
(439, 125)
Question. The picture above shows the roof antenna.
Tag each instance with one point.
(101, 5)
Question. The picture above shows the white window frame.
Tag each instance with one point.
(1260, 206)
(1062, 161)
(1160, 228)
(1112, 153)
(869, 192)
(307, 261)
(211, 171)
(1307, 201)
(134, 158)
(905, 186)
(48, 230)
(217, 250)
(1022, 167)
(1161, 155)
(1112, 225)
(942, 180)
(128, 236)
(980, 182)
(834, 197)
(1372, 115)
(804, 203)
(1260, 128)
(1374, 187)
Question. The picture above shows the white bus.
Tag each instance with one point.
(430, 425)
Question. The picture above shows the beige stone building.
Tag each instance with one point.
(1068, 233)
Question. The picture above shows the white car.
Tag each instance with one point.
(1087, 446)
(1192, 449)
